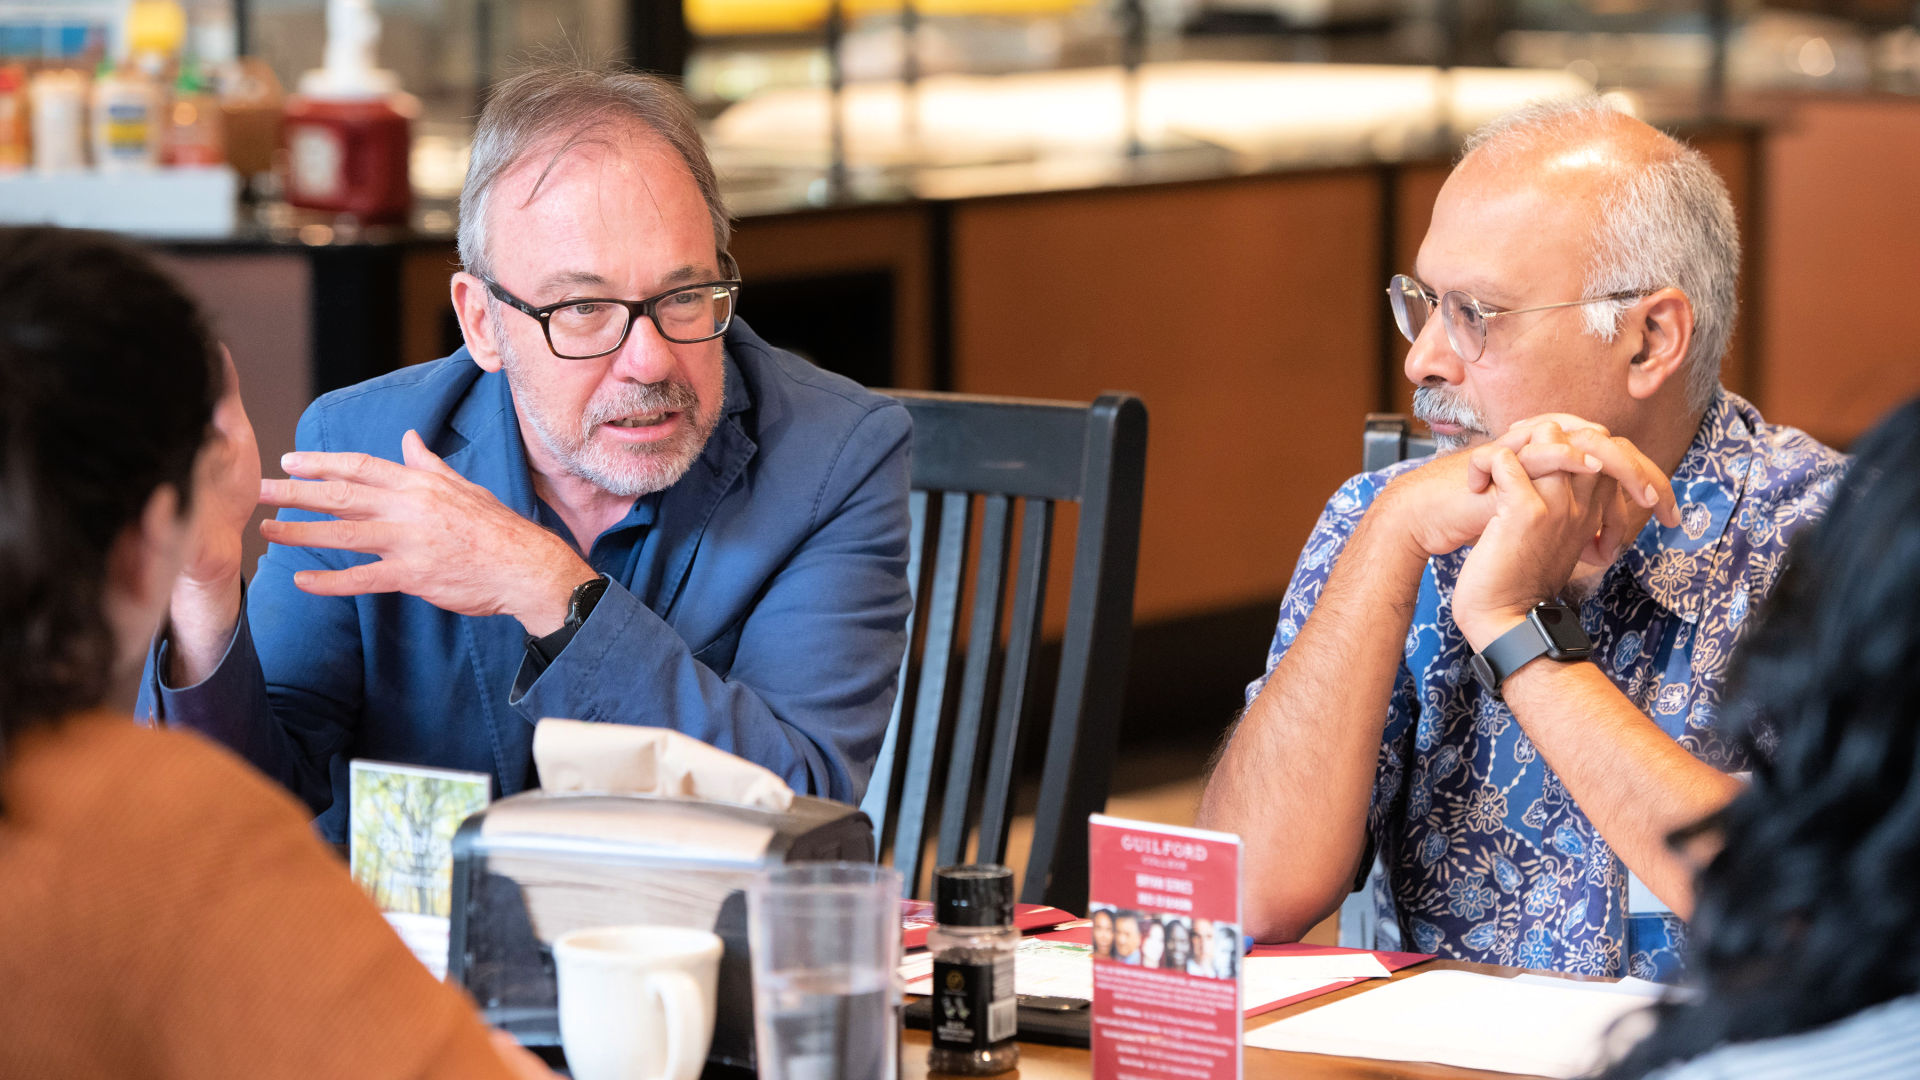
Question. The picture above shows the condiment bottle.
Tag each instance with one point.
(130, 116)
(59, 101)
(973, 995)
(347, 143)
(127, 118)
(16, 150)
(250, 105)
(194, 132)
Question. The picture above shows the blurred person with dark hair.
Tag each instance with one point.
(167, 911)
(1806, 928)
(1179, 945)
(1497, 668)
(1100, 930)
(1153, 943)
(615, 503)
(1127, 937)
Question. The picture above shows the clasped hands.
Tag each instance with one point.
(436, 535)
(1552, 494)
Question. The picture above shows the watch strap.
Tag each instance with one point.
(1525, 643)
(1514, 650)
(580, 604)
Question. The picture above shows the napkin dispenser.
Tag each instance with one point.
(536, 865)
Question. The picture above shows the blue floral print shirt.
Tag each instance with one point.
(1487, 857)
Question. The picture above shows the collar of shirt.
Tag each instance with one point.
(1672, 565)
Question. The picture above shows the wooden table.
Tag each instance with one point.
(1039, 1062)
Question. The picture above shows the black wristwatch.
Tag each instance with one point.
(585, 595)
(1552, 629)
(579, 605)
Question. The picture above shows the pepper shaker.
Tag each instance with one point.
(973, 995)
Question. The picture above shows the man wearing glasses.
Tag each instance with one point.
(1498, 668)
(615, 504)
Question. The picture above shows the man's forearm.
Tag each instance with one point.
(200, 624)
(1297, 776)
(1633, 781)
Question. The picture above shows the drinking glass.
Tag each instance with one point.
(825, 940)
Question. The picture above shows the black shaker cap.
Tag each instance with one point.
(974, 895)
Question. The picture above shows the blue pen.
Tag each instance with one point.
(1246, 944)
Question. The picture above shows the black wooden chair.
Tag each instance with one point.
(950, 755)
(1386, 438)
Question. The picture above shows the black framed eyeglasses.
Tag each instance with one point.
(586, 327)
(1465, 318)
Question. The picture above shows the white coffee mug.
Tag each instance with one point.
(636, 1002)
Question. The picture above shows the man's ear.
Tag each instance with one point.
(1660, 327)
(470, 298)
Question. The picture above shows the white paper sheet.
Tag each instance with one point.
(426, 938)
(1321, 969)
(1531, 1024)
(1267, 979)
(1062, 969)
(1041, 968)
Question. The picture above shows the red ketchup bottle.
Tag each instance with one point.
(348, 132)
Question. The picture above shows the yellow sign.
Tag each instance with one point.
(722, 17)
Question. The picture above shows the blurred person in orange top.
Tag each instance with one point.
(168, 911)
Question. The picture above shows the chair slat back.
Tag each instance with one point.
(949, 765)
(1016, 676)
(1385, 439)
(936, 669)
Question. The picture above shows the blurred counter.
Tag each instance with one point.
(960, 136)
(1231, 274)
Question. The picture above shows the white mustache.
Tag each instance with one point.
(1434, 405)
(652, 398)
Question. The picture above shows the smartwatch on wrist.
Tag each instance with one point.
(579, 605)
(1551, 629)
(585, 595)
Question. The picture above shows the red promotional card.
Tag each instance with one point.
(1165, 906)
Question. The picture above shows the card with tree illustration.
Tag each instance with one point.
(401, 823)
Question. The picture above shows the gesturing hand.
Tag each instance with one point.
(1530, 546)
(438, 535)
(205, 605)
(226, 491)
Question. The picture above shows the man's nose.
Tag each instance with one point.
(1432, 356)
(645, 357)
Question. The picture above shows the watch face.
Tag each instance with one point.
(1564, 635)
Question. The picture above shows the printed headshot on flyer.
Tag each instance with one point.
(1166, 940)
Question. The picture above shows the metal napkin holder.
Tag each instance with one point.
(534, 866)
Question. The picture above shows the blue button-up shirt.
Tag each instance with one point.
(758, 604)
(1487, 856)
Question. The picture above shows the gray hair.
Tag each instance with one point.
(533, 107)
(1667, 223)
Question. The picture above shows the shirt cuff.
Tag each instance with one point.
(542, 651)
(164, 650)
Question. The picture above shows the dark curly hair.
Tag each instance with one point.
(1811, 911)
(108, 378)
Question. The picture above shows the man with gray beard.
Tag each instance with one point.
(615, 504)
(1498, 668)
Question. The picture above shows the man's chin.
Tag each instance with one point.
(1447, 444)
(636, 471)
